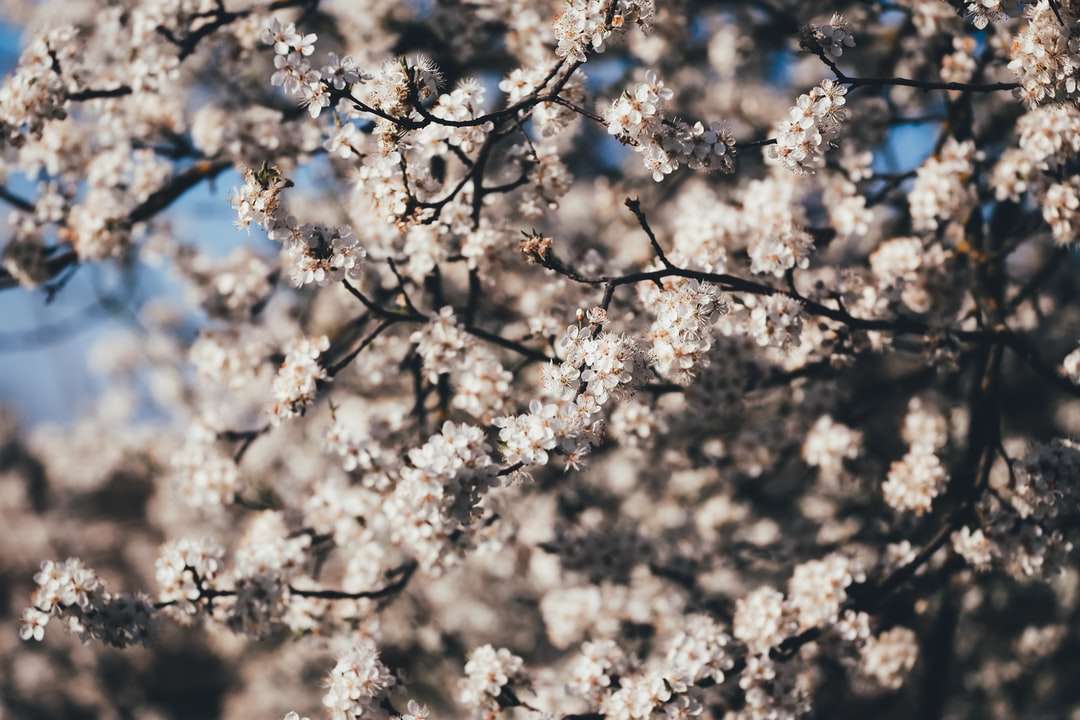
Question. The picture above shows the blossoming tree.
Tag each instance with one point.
(584, 358)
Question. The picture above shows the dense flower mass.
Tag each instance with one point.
(606, 359)
(637, 119)
(814, 122)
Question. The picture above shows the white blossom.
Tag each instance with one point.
(914, 481)
(811, 127)
(889, 657)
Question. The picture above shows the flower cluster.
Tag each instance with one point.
(319, 254)
(914, 481)
(698, 652)
(464, 103)
(908, 269)
(36, 93)
(1049, 136)
(942, 187)
(1041, 54)
(457, 449)
(441, 344)
(637, 119)
(776, 321)
(586, 24)
(818, 588)
(315, 253)
(889, 657)
(294, 74)
(185, 568)
(266, 560)
(1071, 366)
(530, 437)
(596, 665)
(812, 125)
(73, 593)
(833, 37)
(225, 359)
(205, 474)
(973, 546)
(298, 377)
(438, 504)
(828, 444)
(257, 200)
(482, 384)
(681, 335)
(789, 248)
(474, 391)
(762, 620)
(488, 674)
(984, 12)
(959, 66)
